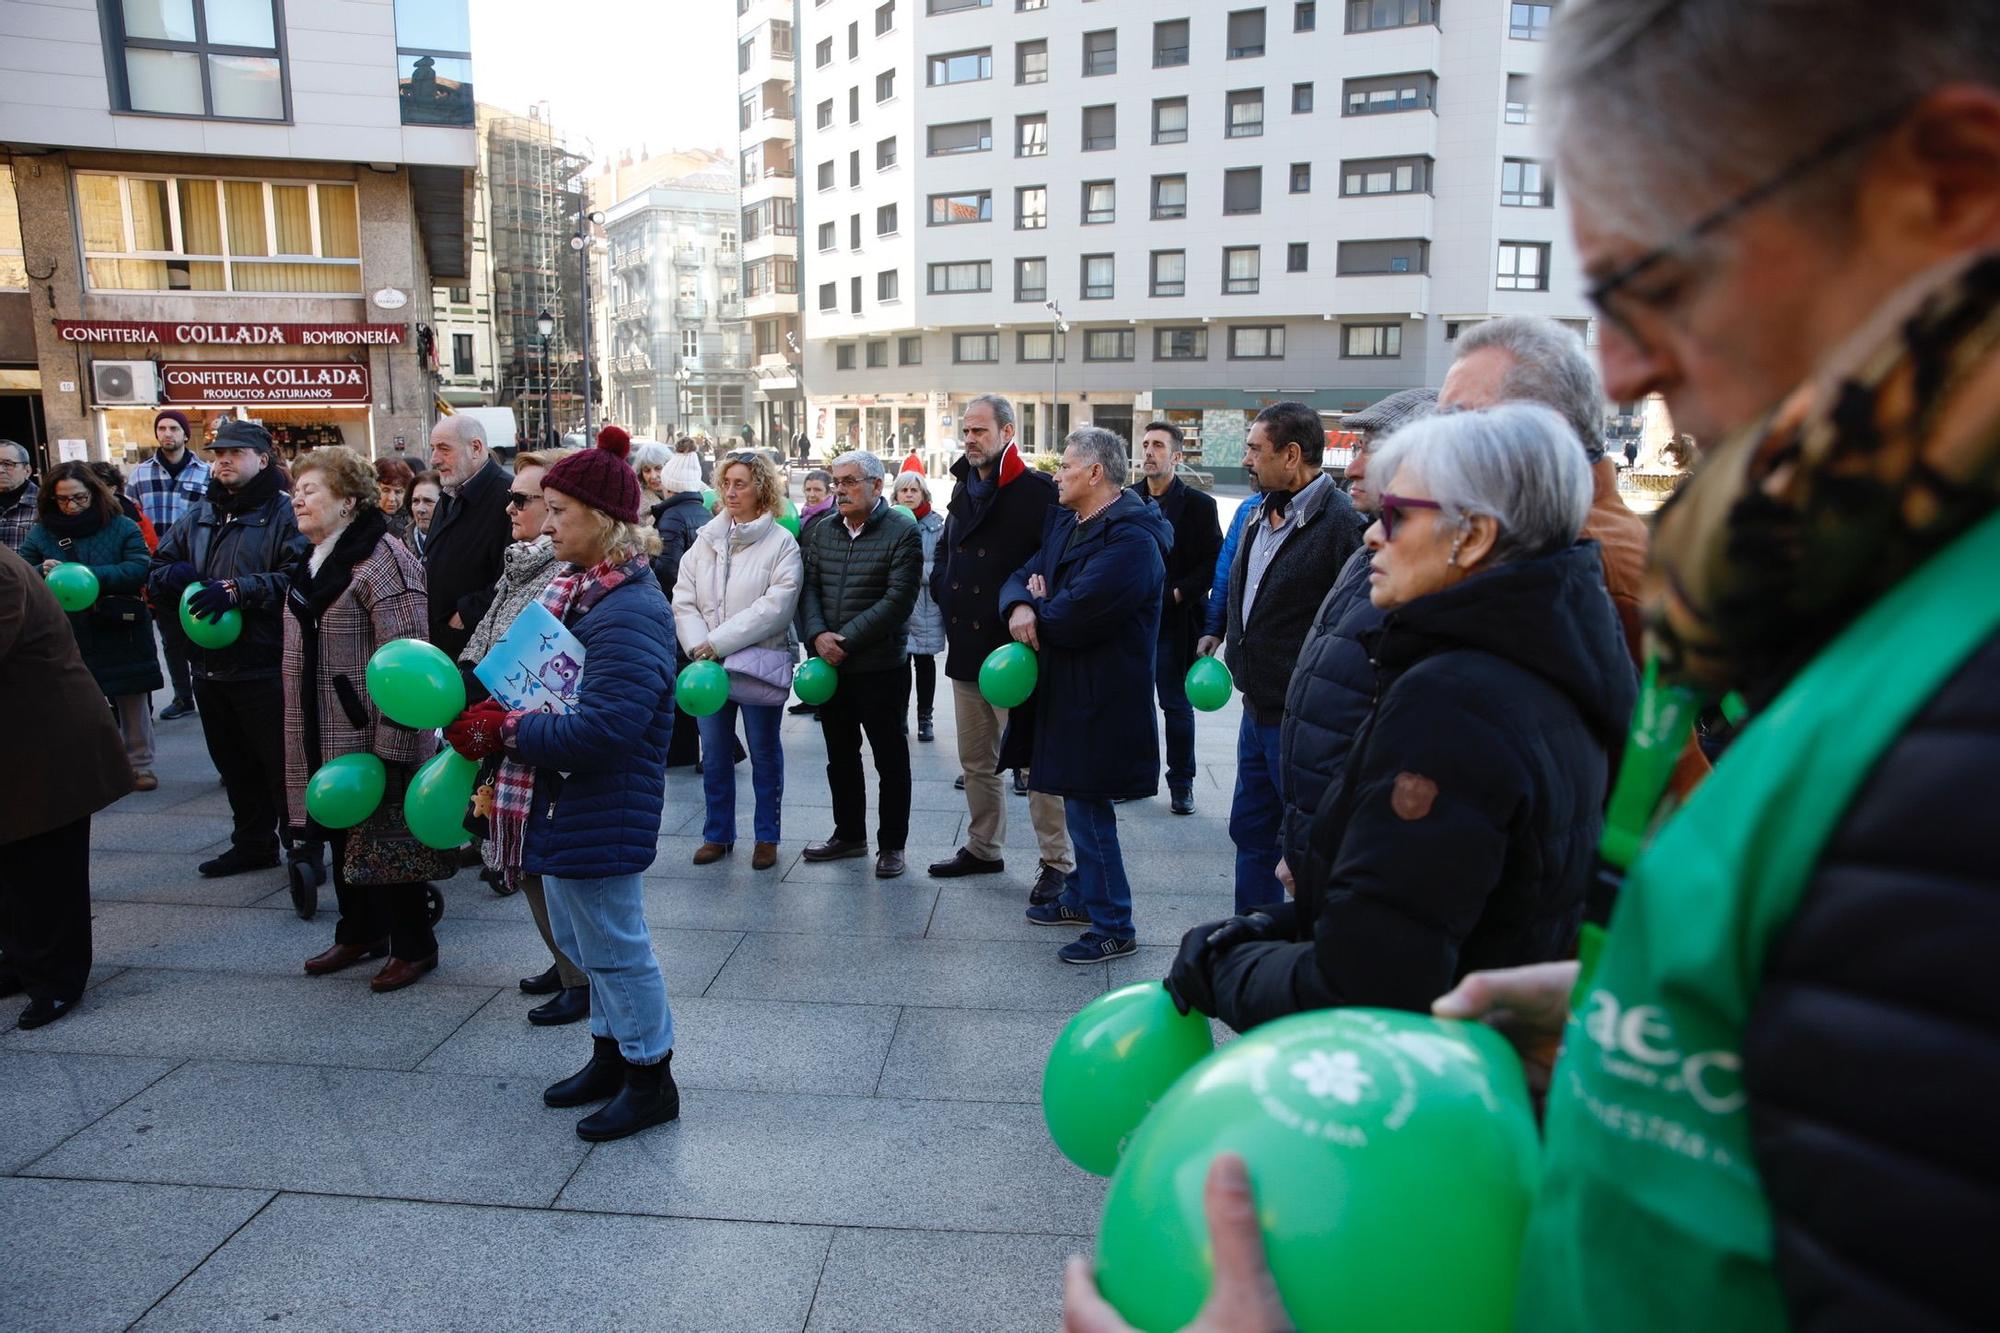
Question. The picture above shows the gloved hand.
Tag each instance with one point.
(476, 732)
(213, 599)
(177, 576)
(1188, 980)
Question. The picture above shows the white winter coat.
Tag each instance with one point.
(738, 586)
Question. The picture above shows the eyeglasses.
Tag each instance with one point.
(1603, 294)
(515, 500)
(1391, 505)
(850, 483)
(73, 501)
(11, 463)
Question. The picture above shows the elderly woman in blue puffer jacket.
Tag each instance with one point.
(593, 816)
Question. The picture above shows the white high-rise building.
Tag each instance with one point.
(1225, 204)
(766, 124)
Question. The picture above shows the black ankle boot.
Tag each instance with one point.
(925, 733)
(603, 1077)
(648, 1098)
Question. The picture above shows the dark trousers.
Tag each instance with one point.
(924, 667)
(243, 722)
(369, 912)
(1170, 667)
(174, 647)
(873, 704)
(45, 911)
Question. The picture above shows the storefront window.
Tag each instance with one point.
(198, 234)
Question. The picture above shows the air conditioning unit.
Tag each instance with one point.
(121, 383)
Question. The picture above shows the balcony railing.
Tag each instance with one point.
(688, 256)
(729, 310)
(632, 256)
(632, 312)
(690, 307)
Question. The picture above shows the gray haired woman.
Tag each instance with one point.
(647, 460)
(926, 622)
(1463, 832)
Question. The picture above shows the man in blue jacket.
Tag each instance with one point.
(1089, 603)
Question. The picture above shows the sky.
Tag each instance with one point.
(616, 73)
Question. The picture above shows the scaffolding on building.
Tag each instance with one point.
(534, 183)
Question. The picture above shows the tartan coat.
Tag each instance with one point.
(383, 600)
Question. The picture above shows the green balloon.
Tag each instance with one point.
(1113, 1061)
(346, 790)
(790, 523)
(905, 509)
(1007, 676)
(815, 681)
(1393, 1157)
(708, 498)
(415, 683)
(1209, 684)
(434, 806)
(74, 585)
(218, 633)
(702, 689)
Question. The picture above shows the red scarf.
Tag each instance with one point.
(922, 509)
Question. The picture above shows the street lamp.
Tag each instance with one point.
(681, 378)
(792, 341)
(1058, 326)
(545, 324)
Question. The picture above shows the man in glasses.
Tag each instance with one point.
(465, 547)
(18, 494)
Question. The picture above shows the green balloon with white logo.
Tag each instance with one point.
(1393, 1158)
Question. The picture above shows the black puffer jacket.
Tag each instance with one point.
(1879, 1012)
(1260, 651)
(863, 588)
(1332, 688)
(1464, 829)
(253, 546)
(678, 518)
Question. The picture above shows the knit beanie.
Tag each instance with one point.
(187, 429)
(616, 439)
(600, 478)
(682, 472)
(1392, 413)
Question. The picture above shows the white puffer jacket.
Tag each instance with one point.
(738, 586)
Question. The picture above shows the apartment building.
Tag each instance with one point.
(1112, 210)
(767, 121)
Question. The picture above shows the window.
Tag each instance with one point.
(1243, 190)
(764, 276)
(854, 169)
(854, 231)
(1100, 128)
(1246, 114)
(1189, 344)
(1375, 15)
(1031, 208)
(854, 41)
(773, 217)
(1302, 177)
(1305, 16)
(888, 285)
(885, 85)
(1031, 62)
(885, 17)
(1529, 23)
(1031, 280)
(854, 295)
(1246, 34)
(1170, 43)
(461, 354)
(953, 6)
(829, 296)
(1242, 267)
(781, 39)
(1100, 202)
(1523, 184)
(823, 115)
(961, 67)
(829, 238)
(1361, 341)
(220, 58)
(1099, 277)
(1031, 136)
(853, 104)
(1035, 345)
(746, 51)
(843, 356)
(1170, 120)
(1520, 110)
(1108, 344)
(1295, 257)
(972, 275)
(971, 349)
(1386, 175)
(1256, 342)
(823, 54)
(1100, 52)
(1169, 273)
(1524, 266)
(1302, 98)
(746, 112)
(961, 136)
(824, 176)
(1023, 6)
(948, 210)
(200, 234)
(910, 350)
(878, 354)
(1361, 258)
(1384, 93)
(885, 220)
(1169, 197)
(885, 153)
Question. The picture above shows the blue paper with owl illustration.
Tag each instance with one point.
(537, 664)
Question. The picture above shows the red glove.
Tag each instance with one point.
(476, 732)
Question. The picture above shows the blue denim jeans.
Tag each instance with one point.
(1170, 683)
(767, 769)
(1098, 886)
(1254, 816)
(601, 923)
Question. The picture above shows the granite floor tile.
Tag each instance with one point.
(950, 973)
(988, 1055)
(146, 877)
(164, 833)
(989, 909)
(45, 1098)
(875, 1280)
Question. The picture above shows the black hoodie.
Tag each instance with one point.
(1463, 832)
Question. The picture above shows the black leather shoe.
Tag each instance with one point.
(1183, 801)
(603, 1077)
(542, 983)
(926, 733)
(889, 865)
(177, 710)
(1020, 782)
(42, 1012)
(1048, 886)
(800, 710)
(648, 1098)
(959, 782)
(963, 862)
(236, 861)
(569, 1005)
(836, 849)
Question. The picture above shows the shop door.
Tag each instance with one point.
(23, 421)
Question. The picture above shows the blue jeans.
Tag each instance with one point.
(601, 923)
(1099, 886)
(1170, 683)
(1254, 816)
(767, 769)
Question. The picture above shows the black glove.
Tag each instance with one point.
(1188, 980)
(176, 577)
(213, 599)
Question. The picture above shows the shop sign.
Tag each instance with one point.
(163, 332)
(226, 383)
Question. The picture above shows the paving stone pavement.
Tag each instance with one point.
(215, 1140)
